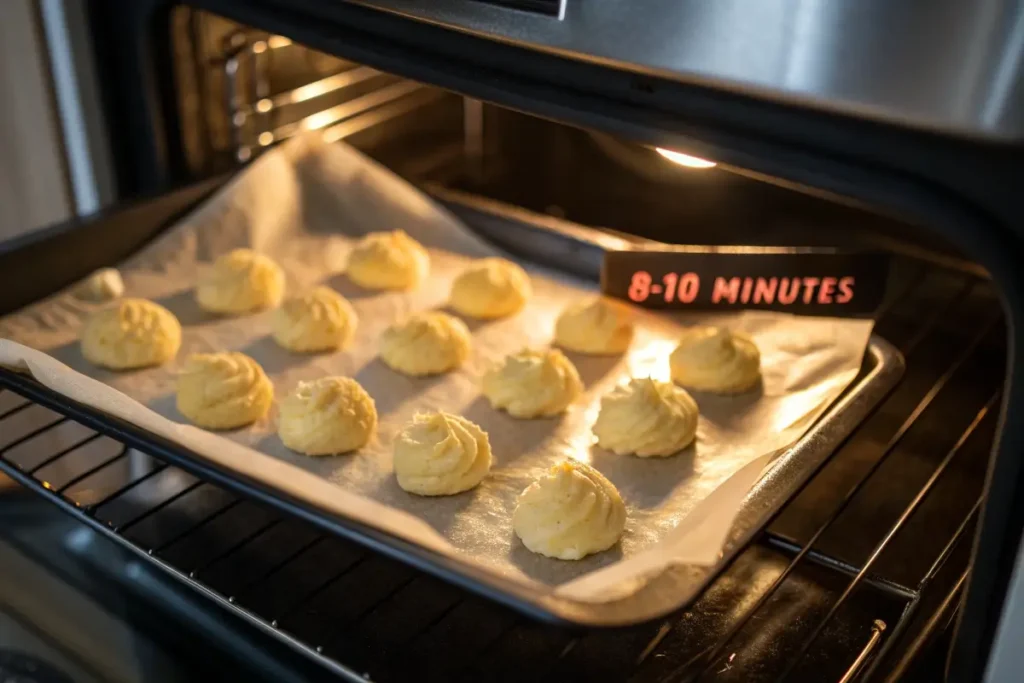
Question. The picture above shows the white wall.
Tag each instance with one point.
(34, 190)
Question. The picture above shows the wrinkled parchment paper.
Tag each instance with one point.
(303, 203)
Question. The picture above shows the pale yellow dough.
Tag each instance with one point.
(103, 285)
(327, 416)
(570, 512)
(646, 418)
(319, 320)
(438, 454)
(388, 260)
(223, 390)
(533, 384)
(131, 333)
(490, 288)
(425, 344)
(596, 326)
(240, 281)
(716, 360)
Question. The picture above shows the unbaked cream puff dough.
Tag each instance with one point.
(438, 454)
(240, 281)
(103, 285)
(596, 326)
(716, 360)
(319, 320)
(490, 288)
(646, 418)
(533, 384)
(427, 343)
(223, 390)
(327, 416)
(388, 260)
(132, 333)
(570, 512)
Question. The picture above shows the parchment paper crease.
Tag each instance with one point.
(303, 203)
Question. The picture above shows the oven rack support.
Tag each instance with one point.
(252, 107)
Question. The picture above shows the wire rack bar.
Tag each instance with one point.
(941, 614)
(120, 491)
(33, 434)
(93, 470)
(310, 91)
(235, 546)
(907, 513)
(158, 507)
(11, 411)
(890, 446)
(195, 525)
(912, 607)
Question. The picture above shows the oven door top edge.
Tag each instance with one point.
(963, 75)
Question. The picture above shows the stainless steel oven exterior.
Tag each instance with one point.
(946, 65)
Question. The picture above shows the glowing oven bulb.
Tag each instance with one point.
(685, 159)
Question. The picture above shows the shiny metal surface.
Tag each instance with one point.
(948, 65)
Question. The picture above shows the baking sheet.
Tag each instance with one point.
(303, 203)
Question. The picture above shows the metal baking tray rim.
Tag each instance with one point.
(673, 589)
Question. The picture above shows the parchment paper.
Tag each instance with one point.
(303, 203)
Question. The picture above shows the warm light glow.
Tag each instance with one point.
(685, 159)
(266, 138)
(651, 359)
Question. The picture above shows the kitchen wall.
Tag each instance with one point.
(34, 189)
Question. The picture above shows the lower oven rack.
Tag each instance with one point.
(364, 616)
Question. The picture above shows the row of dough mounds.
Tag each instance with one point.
(567, 513)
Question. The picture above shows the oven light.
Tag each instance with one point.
(685, 159)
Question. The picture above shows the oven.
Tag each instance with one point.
(793, 124)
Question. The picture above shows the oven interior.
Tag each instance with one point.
(859, 577)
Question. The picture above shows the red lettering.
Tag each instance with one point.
(828, 288)
(788, 290)
(764, 290)
(809, 284)
(845, 290)
(640, 286)
(748, 284)
(725, 289)
(689, 287)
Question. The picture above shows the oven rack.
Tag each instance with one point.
(259, 117)
(809, 595)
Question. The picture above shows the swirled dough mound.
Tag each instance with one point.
(596, 326)
(388, 260)
(438, 454)
(647, 418)
(223, 390)
(319, 320)
(425, 344)
(570, 512)
(327, 416)
(715, 359)
(240, 281)
(103, 285)
(490, 288)
(533, 384)
(132, 333)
